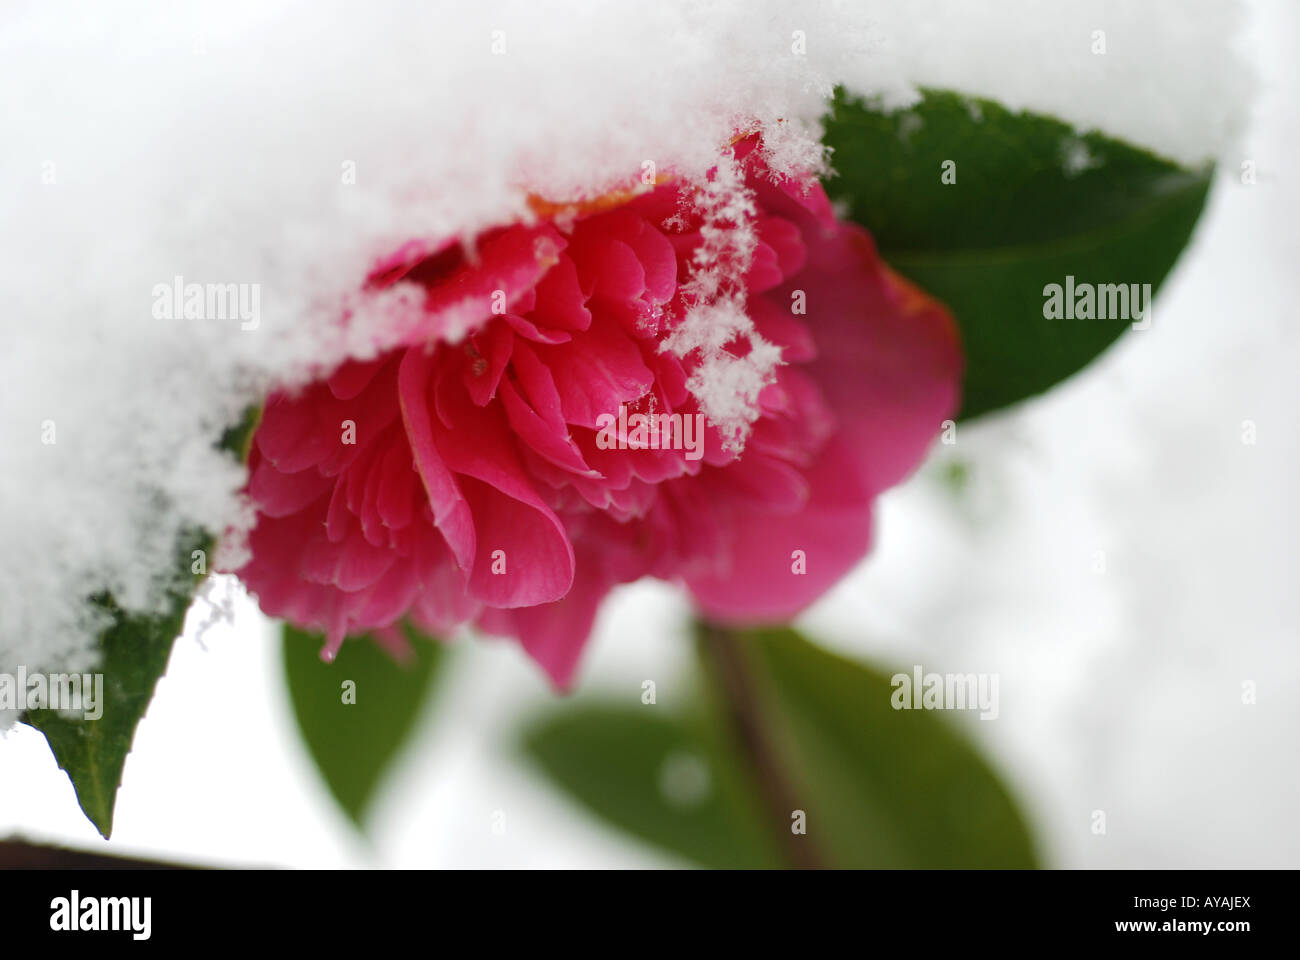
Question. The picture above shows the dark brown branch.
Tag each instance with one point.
(21, 855)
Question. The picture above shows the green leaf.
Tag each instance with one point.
(783, 726)
(135, 650)
(237, 437)
(1033, 202)
(353, 743)
(880, 787)
(662, 778)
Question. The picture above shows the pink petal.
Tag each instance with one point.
(758, 583)
(595, 373)
(888, 363)
(451, 514)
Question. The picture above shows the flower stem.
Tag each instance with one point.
(734, 679)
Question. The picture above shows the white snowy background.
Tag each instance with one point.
(1120, 691)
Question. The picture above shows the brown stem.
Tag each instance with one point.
(18, 854)
(737, 685)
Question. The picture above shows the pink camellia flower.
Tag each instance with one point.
(567, 414)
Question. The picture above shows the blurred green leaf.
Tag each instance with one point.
(135, 650)
(237, 437)
(1033, 201)
(881, 787)
(660, 777)
(353, 743)
(785, 726)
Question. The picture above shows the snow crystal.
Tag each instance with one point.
(733, 361)
(734, 364)
(290, 144)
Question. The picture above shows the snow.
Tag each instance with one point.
(1165, 74)
(290, 144)
(726, 384)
